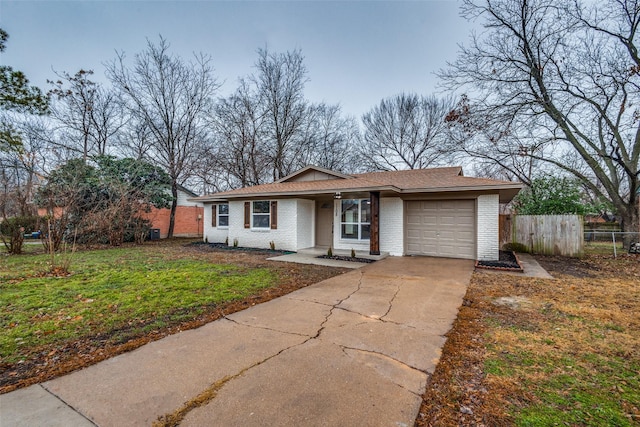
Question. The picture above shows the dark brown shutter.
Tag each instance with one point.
(213, 215)
(247, 214)
(274, 214)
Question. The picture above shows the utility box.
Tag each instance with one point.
(154, 234)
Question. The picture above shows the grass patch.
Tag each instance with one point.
(28, 247)
(115, 292)
(604, 248)
(571, 356)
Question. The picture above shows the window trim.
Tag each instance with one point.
(358, 223)
(268, 227)
(218, 215)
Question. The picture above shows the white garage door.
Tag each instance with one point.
(444, 228)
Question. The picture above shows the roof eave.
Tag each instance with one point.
(318, 192)
(506, 191)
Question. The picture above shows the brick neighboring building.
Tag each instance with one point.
(189, 215)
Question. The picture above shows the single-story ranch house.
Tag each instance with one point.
(434, 212)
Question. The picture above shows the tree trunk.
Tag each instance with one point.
(630, 223)
(174, 205)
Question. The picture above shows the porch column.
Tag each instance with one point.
(374, 231)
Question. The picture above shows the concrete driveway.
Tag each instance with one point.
(356, 349)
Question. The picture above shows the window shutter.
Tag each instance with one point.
(274, 214)
(247, 214)
(213, 215)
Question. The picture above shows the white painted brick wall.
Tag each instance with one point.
(212, 234)
(284, 237)
(487, 227)
(306, 215)
(392, 226)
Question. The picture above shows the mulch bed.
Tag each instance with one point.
(224, 246)
(507, 261)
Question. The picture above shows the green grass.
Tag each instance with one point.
(28, 247)
(569, 384)
(593, 394)
(111, 292)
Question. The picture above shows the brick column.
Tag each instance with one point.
(374, 231)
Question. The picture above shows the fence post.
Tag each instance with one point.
(615, 252)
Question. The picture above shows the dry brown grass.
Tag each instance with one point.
(568, 355)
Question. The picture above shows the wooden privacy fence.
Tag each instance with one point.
(549, 234)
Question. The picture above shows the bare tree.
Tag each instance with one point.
(172, 99)
(331, 139)
(242, 154)
(493, 147)
(266, 129)
(569, 71)
(23, 167)
(89, 115)
(280, 81)
(404, 132)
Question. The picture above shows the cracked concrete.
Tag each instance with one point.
(356, 349)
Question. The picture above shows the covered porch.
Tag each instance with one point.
(344, 218)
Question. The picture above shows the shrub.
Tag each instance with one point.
(137, 230)
(272, 245)
(12, 231)
(329, 252)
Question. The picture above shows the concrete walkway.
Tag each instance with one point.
(310, 256)
(530, 268)
(353, 350)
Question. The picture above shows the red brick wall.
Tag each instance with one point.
(186, 224)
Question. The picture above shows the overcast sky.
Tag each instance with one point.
(357, 52)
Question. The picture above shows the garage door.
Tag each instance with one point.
(444, 228)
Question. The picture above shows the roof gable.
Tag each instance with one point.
(313, 173)
(187, 191)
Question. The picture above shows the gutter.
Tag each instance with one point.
(213, 198)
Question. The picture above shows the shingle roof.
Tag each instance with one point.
(406, 181)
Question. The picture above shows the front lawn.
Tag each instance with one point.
(554, 352)
(116, 297)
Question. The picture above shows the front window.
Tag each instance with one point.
(223, 215)
(261, 216)
(356, 219)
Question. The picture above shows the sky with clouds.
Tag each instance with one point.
(356, 52)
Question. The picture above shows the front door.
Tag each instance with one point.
(324, 223)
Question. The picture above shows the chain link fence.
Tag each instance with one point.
(614, 242)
